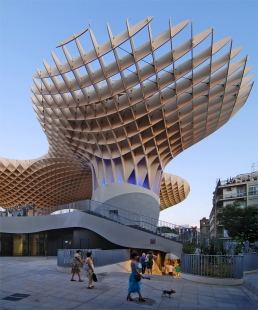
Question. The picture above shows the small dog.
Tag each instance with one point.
(165, 292)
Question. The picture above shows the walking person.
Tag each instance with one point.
(135, 278)
(143, 262)
(90, 269)
(77, 261)
(149, 261)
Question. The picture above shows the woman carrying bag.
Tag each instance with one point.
(135, 278)
(77, 261)
(89, 268)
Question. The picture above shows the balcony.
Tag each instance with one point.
(232, 196)
(219, 211)
(220, 236)
(253, 193)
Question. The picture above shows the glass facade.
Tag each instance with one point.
(6, 244)
(38, 244)
(23, 244)
(20, 244)
(47, 243)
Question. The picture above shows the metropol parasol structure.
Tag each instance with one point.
(113, 127)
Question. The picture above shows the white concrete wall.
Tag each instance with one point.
(119, 234)
(129, 197)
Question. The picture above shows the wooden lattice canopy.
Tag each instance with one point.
(126, 119)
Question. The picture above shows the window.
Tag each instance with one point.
(253, 190)
(240, 192)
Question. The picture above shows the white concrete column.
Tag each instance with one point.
(128, 197)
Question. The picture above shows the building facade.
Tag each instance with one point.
(205, 226)
(242, 189)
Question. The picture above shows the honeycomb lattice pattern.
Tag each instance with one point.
(44, 181)
(53, 182)
(128, 118)
(173, 190)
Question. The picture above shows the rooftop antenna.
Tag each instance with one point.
(254, 168)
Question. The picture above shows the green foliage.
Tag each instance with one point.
(239, 246)
(165, 229)
(240, 223)
(212, 246)
(189, 247)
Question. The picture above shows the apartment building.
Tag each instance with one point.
(243, 188)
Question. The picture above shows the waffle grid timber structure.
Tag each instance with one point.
(124, 122)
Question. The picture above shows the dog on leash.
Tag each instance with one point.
(165, 292)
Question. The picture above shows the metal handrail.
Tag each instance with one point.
(232, 195)
(98, 207)
(215, 266)
(161, 228)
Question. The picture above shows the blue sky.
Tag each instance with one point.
(29, 30)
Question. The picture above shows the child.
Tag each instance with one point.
(163, 269)
(178, 269)
(170, 269)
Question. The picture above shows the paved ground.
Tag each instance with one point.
(50, 289)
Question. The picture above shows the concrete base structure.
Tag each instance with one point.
(129, 197)
(120, 235)
(208, 280)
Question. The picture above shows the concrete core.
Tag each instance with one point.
(128, 197)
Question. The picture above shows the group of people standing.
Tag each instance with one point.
(88, 267)
(172, 271)
(147, 262)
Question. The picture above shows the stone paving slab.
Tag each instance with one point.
(51, 289)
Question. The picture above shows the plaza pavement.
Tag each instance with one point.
(51, 289)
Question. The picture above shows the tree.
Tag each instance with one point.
(189, 247)
(240, 223)
(165, 229)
